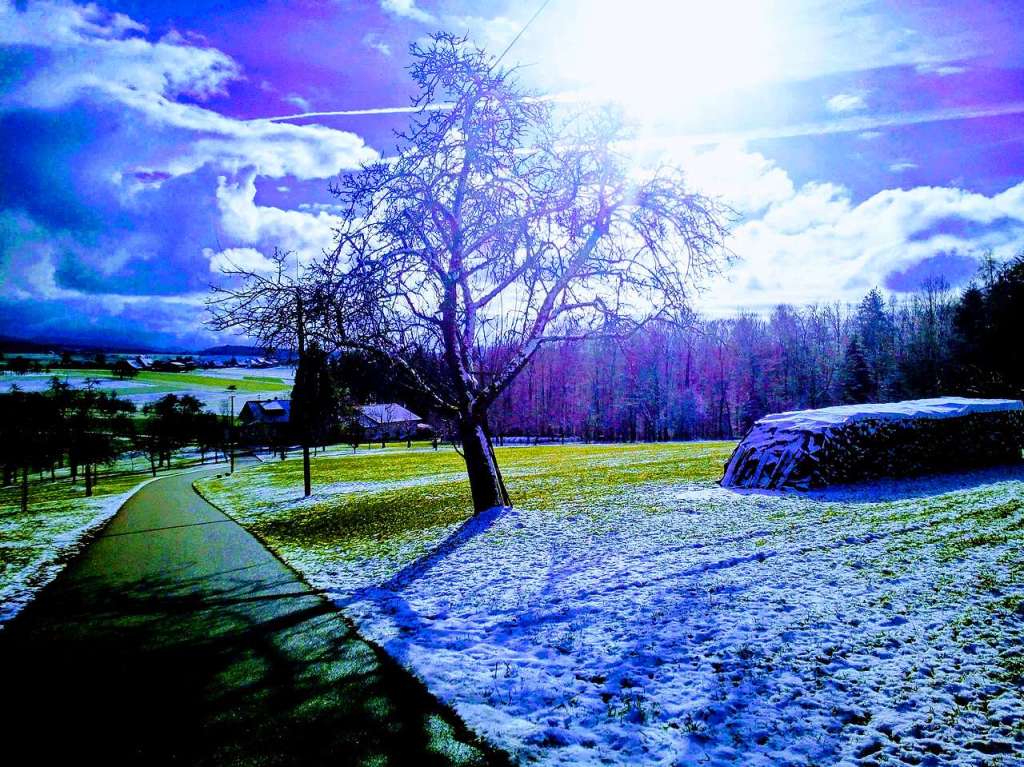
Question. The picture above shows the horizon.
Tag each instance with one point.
(145, 147)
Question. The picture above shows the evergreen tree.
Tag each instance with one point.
(855, 379)
(876, 333)
(318, 404)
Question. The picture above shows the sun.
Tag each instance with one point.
(657, 58)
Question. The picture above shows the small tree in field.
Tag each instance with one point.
(318, 404)
(273, 308)
(495, 231)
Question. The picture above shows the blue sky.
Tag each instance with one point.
(863, 143)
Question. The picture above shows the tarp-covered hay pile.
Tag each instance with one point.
(851, 443)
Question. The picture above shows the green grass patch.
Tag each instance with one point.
(396, 502)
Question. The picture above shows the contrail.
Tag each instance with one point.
(358, 112)
(564, 97)
(795, 130)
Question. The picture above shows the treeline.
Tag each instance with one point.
(82, 429)
(714, 378)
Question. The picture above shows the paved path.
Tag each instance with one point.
(176, 638)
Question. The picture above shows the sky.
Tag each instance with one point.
(143, 145)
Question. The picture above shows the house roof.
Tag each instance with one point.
(388, 412)
(269, 410)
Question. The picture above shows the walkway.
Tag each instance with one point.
(176, 638)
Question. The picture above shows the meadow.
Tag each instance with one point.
(629, 609)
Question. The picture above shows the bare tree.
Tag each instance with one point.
(494, 231)
(270, 307)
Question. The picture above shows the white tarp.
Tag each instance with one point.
(937, 407)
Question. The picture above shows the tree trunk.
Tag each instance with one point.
(88, 482)
(307, 484)
(485, 480)
(24, 489)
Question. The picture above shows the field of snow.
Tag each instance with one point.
(630, 611)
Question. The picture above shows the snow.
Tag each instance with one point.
(38, 382)
(284, 372)
(753, 629)
(385, 413)
(938, 407)
(52, 548)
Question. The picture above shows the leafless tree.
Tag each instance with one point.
(270, 307)
(497, 229)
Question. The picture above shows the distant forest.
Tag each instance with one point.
(713, 378)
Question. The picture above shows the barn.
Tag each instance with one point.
(810, 449)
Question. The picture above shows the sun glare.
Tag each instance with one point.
(656, 58)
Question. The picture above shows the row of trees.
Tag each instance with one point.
(714, 378)
(83, 429)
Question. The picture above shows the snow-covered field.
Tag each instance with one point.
(670, 621)
(208, 386)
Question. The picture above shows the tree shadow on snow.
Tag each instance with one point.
(387, 595)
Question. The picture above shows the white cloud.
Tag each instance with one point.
(492, 33)
(90, 49)
(842, 103)
(275, 150)
(406, 9)
(818, 245)
(938, 68)
(172, 166)
(102, 57)
(245, 259)
(375, 42)
(297, 100)
(746, 181)
(305, 233)
(901, 166)
(863, 125)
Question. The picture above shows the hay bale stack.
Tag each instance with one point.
(810, 449)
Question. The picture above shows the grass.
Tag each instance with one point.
(396, 503)
(393, 505)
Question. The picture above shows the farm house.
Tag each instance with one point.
(810, 449)
(388, 420)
